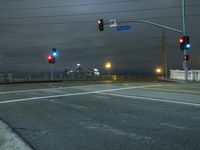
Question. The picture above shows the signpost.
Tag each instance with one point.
(113, 23)
(125, 27)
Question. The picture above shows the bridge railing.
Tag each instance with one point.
(193, 75)
(10, 78)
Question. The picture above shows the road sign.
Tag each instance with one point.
(113, 23)
(126, 27)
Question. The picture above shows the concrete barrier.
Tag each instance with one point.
(14, 78)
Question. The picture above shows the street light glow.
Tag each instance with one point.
(108, 65)
(158, 70)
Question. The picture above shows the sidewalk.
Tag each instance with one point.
(9, 140)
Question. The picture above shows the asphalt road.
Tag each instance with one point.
(106, 116)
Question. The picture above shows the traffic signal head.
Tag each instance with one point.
(100, 23)
(50, 59)
(181, 40)
(187, 46)
(184, 43)
(54, 52)
(186, 57)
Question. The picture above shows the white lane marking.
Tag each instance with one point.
(45, 89)
(118, 132)
(152, 99)
(175, 126)
(74, 94)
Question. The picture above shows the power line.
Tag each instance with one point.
(94, 13)
(72, 5)
(7, 1)
(75, 5)
(48, 23)
(86, 22)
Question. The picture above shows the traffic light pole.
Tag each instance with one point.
(52, 60)
(51, 71)
(185, 65)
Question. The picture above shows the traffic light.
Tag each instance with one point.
(186, 57)
(50, 59)
(100, 23)
(184, 43)
(187, 42)
(54, 52)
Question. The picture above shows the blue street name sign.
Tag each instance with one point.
(126, 27)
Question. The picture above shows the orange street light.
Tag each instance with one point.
(108, 65)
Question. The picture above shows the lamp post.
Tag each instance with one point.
(108, 67)
(159, 71)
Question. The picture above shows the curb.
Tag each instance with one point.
(9, 140)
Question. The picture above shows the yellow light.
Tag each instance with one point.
(158, 70)
(108, 65)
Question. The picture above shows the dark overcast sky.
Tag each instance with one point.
(29, 29)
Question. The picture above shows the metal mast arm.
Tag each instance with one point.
(153, 24)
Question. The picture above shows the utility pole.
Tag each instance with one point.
(164, 52)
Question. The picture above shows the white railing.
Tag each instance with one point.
(193, 75)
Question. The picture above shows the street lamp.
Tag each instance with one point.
(108, 66)
(158, 71)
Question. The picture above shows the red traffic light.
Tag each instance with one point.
(49, 57)
(181, 40)
(100, 23)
